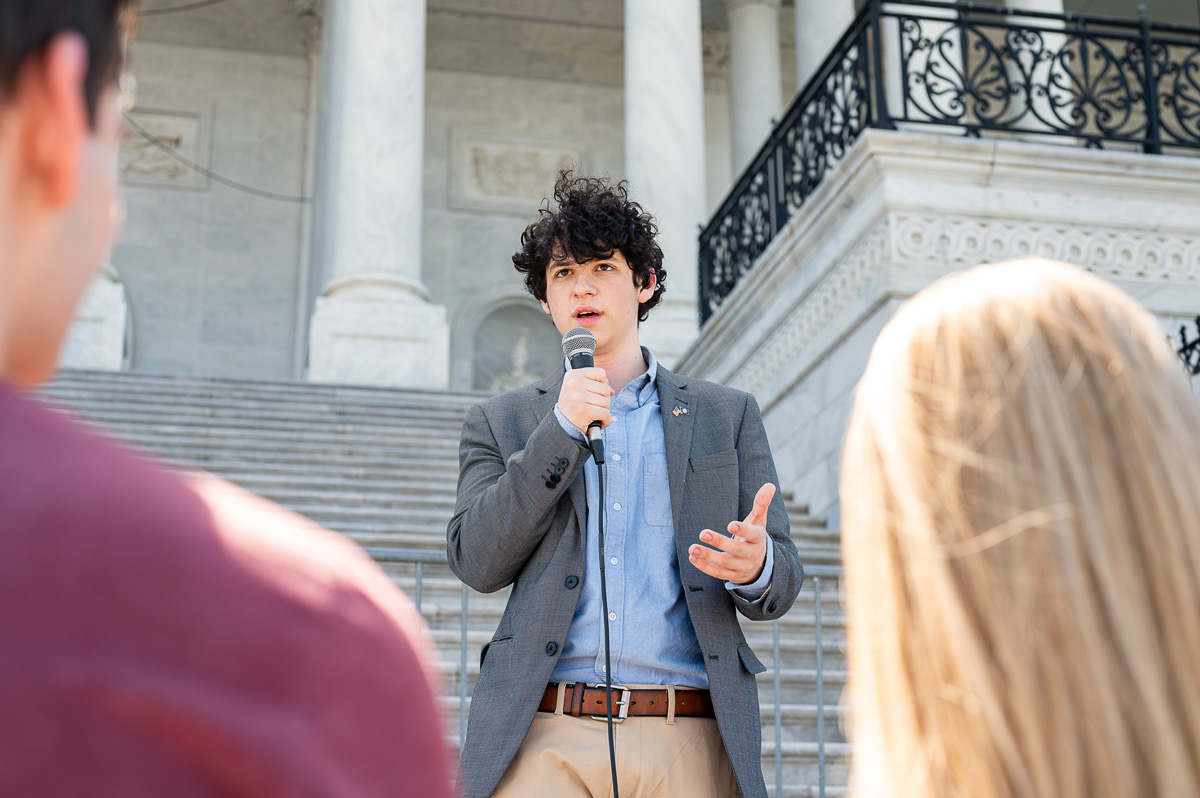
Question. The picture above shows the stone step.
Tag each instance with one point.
(233, 408)
(416, 430)
(272, 460)
(416, 481)
(311, 441)
(94, 382)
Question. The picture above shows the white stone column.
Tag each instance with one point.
(755, 85)
(819, 25)
(373, 322)
(664, 154)
(100, 333)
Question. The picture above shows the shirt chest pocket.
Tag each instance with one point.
(656, 491)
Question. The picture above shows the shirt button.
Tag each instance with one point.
(616, 457)
(617, 506)
(612, 616)
(613, 561)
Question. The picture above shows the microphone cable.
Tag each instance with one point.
(579, 348)
(596, 443)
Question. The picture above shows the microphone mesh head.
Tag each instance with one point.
(578, 339)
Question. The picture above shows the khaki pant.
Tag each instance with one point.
(566, 757)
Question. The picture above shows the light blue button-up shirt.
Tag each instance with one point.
(652, 638)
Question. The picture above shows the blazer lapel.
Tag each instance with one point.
(673, 396)
(543, 405)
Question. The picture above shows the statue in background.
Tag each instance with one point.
(519, 375)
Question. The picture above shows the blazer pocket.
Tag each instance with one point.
(710, 462)
(483, 651)
(749, 660)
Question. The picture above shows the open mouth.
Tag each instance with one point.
(587, 314)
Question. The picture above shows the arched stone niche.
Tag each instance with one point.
(100, 336)
(515, 344)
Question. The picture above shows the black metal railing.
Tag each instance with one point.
(1189, 350)
(971, 69)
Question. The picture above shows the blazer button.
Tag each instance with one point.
(564, 462)
(771, 607)
(558, 469)
(571, 582)
(549, 484)
(555, 478)
(551, 648)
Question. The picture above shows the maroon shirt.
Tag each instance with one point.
(168, 638)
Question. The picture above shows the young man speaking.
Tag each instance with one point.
(693, 531)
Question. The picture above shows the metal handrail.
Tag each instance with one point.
(816, 574)
(966, 68)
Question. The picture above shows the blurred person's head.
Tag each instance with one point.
(1021, 529)
(60, 132)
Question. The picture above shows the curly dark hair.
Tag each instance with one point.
(592, 220)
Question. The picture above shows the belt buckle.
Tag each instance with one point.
(623, 703)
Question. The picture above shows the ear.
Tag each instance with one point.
(647, 290)
(50, 101)
(546, 308)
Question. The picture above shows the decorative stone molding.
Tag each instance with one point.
(964, 241)
(959, 242)
(715, 44)
(506, 174)
(826, 299)
(149, 162)
(311, 15)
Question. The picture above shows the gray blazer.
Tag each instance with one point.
(515, 525)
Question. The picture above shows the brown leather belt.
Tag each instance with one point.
(582, 699)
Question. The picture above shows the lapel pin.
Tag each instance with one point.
(678, 411)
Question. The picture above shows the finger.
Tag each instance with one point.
(762, 502)
(699, 557)
(751, 533)
(725, 544)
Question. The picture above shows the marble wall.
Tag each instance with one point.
(213, 274)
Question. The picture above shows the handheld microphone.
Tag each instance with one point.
(579, 346)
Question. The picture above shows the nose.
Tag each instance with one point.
(585, 285)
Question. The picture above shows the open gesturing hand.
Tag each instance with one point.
(738, 559)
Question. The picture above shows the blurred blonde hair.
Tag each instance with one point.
(1021, 526)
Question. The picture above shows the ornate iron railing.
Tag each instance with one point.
(967, 68)
(1189, 351)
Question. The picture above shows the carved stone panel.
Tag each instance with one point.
(160, 156)
(506, 175)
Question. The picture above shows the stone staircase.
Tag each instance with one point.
(380, 466)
